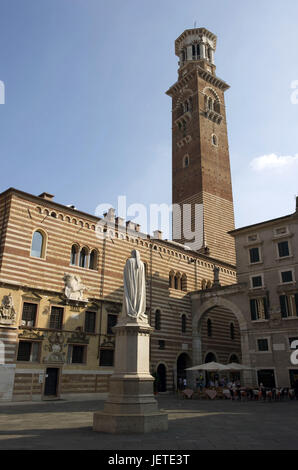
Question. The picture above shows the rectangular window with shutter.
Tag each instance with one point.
(288, 305)
(254, 255)
(29, 314)
(90, 320)
(106, 358)
(112, 321)
(56, 318)
(283, 249)
(28, 351)
(259, 309)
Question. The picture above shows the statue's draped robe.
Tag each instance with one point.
(134, 298)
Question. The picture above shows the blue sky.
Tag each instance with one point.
(86, 116)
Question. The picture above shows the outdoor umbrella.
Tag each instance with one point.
(235, 366)
(210, 366)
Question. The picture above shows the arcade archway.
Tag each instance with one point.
(183, 362)
(161, 373)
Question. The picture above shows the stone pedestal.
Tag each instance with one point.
(131, 406)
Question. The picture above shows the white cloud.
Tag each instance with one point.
(273, 162)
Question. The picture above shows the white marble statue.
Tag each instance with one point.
(134, 297)
(73, 287)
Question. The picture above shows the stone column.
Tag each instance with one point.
(202, 51)
(131, 406)
(8, 339)
(189, 52)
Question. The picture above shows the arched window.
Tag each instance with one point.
(232, 331)
(158, 320)
(73, 255)
(198, 51)
(193, 52)
(210, 54)
(83, 258)
(186, 161)
(183, 323)
(209, 328)
(214, 140)
(145, 269)
(203, 284)
(234, 358)
(210, 358)
(209, 285)
(178, 281)
(184, 283)
(210, 103)
(217, 107)
(37, 245)
(93, 260)
(172, 280)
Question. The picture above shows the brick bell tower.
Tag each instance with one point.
(200, 152)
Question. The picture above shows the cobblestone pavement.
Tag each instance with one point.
(193, 424)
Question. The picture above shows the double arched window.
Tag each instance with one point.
(38, 244)
(196, 54)
(212, 103)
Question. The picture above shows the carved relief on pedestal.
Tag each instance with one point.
(7, 311)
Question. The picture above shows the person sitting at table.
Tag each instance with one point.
(250, 393)
(238, 392)
(222, 382)
(263, 391)
(211, 383)
(296, 389)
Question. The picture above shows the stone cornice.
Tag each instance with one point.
(199, 71)
(219, 291)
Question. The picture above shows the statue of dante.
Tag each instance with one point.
(134, 297)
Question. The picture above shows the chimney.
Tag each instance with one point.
(110, 215)
(157, 234)
(47, 196)
(120, 221)
(130, 225)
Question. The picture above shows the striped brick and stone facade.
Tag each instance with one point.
(37, 284)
